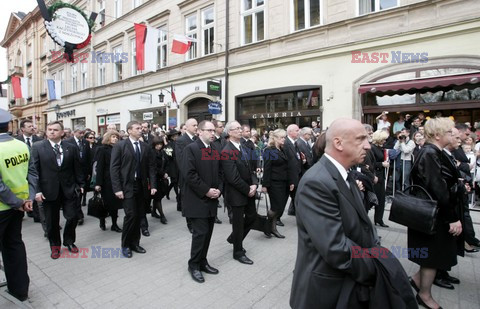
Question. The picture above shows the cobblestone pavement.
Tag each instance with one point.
(159, 278)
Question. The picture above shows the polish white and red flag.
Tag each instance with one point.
(146, 41)
(181, 43)
(20, 87)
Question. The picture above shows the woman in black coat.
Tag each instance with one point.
(103, 182)
(378, 140)
(436, 173)
(162, 179)
(171, 164)
(275, 176)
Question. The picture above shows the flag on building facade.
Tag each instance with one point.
(140, 35)
(174, 97)
(54, 89)
(181, 44)
(146, 42)
(20, 87)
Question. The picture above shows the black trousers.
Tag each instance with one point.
(201, 236)
(13, 252)
(468, 231)
(243, 218)
(134, 211)
(52, 219)
(278, 193)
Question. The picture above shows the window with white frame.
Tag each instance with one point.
(101, 12)
(73, 68)
(118, 8)
(191, 31)
(44, 82)
(54, 76)
(136, 3)
(134, 71)
(60, 78)
(101, 73)
(208, 31)
(253, 21)
(30, 92)
(43, 40)
(117, 65)
(84, 77)
(162, 48)
(305, 14)
(370, 6)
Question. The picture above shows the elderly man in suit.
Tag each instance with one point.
(295, 166)
(200, 171)
(132, 166)
(330, 220)
(240, 189)
(303, 145)
(60, 185)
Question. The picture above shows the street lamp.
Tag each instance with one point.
(161, 96)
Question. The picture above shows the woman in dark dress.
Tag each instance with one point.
(436, 173)
(162, 179)
(378, 140)
(171, 164)
(103, 182)
(275, 176)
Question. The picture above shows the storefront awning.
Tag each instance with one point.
(417, 84)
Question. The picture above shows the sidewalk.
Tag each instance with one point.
(159, 278)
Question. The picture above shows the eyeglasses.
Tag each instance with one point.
(235, 129)
(209, 130)
(91, 137)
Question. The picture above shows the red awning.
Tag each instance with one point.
(426, 83)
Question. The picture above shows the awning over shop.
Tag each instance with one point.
(421, 84)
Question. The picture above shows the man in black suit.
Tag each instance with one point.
(303, 145)
(85, 162)
(188, 137)
(200, 196)
(219, 140)
(240, 189)
(29, 137)
(147, 136)
(60, 185)
(331, 220)
(295, 166)
(132, 166)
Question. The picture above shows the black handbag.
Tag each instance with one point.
(413, 212)
(262, 223)
(96, 207)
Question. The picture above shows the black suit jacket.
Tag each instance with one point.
(34, 138)
(180, 145)
(200, 175)
(85, 155)
(220, 142)
(149, 138)
(331, 220)
(123, 165)
(460, 155)
(305, 148)
(294, 162)
(275, 164)
(237, 175)
(69, 176)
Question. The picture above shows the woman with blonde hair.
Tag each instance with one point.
(379, 138)
(435, 171)
(275, 176)
(103, 182)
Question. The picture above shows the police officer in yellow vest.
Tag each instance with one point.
(18, 180)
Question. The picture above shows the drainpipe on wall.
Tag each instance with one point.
(227, 32)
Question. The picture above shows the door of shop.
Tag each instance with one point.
(198, 109)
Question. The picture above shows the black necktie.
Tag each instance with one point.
(28, 142)
(194, 138)
(137, 158)
(80, 148)
(58, 154)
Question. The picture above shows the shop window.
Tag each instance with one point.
(252, 105)
(370, 6)
(308, 100)
(79, 123)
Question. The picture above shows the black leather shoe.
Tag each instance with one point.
(155, 215)
(381, 224)
(80, 222)
(196, 275)
(217, 221)
(443, 284)
(138, 249)
(115, 228)
(19, 297)
(72, 248)
(127, 252)
(244, 260)
(422, 303)
(475, 243)
(280, 223)
(163, 220)
(209, 270)
(452, 279)
(473, 250)
(414, 285)
(102, 225)
(145, 233)
(55, 254)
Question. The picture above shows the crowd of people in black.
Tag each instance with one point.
(136, 169)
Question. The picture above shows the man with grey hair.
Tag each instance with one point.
(111, 127)
(303, 145)
(295, 166)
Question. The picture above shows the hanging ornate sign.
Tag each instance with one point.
(68, 26)
(215, 108)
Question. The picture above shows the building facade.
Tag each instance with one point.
(277, 61)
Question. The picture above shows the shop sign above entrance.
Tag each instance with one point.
(276, 115)
(214, 89)
(148, 116)
(113, 119)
